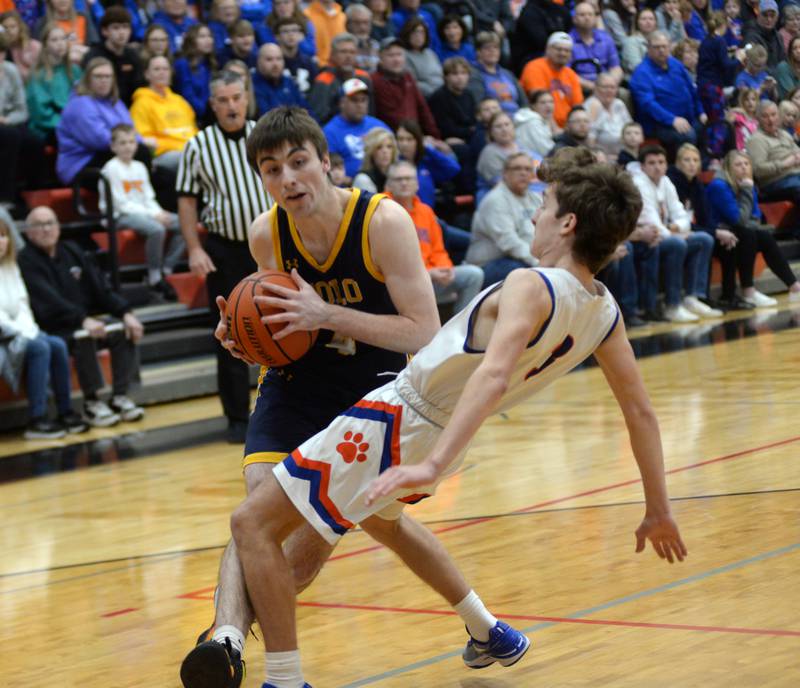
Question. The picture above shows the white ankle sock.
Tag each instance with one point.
(476, 617)
(153, 276)
(235, 635)
(283, 669)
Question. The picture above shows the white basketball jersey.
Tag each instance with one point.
(578, 323)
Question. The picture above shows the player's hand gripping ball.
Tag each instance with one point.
(253, 337)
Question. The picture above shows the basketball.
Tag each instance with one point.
(254, 338)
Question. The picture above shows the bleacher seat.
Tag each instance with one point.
(780, 214)
(190, 288)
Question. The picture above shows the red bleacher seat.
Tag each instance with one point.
(705, 176)
(60, 200)
(190, 288)
(780, 214)
(130, 246)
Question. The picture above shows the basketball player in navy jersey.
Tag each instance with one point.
(401, 440)
(355, 259)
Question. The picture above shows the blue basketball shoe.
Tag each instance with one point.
(506, 646)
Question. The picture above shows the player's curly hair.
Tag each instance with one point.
(604, 199)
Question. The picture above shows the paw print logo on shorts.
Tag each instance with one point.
(353, 449)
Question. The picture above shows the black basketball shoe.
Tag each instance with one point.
(212, 665)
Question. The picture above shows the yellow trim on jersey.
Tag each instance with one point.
(264, 457)
(371, 267)
(261, 373)
(276, 240)
(340, 236)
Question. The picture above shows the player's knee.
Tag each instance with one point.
(244, 525)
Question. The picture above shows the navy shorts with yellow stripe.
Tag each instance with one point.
(286, 415)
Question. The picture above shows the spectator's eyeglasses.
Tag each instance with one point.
(44, 224)
(520, 168)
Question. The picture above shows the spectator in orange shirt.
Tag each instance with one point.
(451, 283)
(329, 20)
(551, 73)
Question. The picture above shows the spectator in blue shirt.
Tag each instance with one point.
(667, 104)
(695, 23)
(193, 71)
(302, 68)
(345, 132)
(755, 76)
(175, 18)
(409, 9)
(490, 80)
(242, 46)
(270, 85)
(593, 50)
(454, 40)
(224, 14)
(266, 32)
(255, 11)
(435, 166)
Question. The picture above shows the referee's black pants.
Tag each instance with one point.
(234, 262)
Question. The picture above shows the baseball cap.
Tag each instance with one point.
(561, 38)
(390, 41)
(767, 5)
(353, 86)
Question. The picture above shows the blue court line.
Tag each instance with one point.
(586, 612)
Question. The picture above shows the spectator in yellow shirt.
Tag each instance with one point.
(164, 120)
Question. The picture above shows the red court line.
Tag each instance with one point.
(197, 594)
(119, 612)
(562, 619)
(550, 502)
(606, 488)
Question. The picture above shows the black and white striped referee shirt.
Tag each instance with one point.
(214, 168)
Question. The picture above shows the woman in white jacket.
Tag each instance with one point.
(45, 355)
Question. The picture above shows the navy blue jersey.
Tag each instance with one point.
(298, 400)
(347, 278)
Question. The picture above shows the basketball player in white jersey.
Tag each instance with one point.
(400, 441)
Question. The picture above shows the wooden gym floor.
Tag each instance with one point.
(110, 548)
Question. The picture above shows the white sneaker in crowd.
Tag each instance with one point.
(696, 306)
(126, 408)
(678, 314)
(760, 300)
(99, 414)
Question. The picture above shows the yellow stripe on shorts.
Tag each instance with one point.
(264, 457)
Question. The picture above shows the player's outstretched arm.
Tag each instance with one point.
(618, 363)
(524, 304)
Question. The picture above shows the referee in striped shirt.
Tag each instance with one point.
(214, 171)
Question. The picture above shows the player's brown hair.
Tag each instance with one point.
(285, 124)
(603, 198)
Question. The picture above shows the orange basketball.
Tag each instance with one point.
(253, 337)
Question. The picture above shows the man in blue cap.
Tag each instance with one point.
(765, 32)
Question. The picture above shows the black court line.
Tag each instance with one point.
(488, 517)
(136, 445)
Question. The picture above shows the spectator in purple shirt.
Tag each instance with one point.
(593, 50)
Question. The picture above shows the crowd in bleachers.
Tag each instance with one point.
(698, 99)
